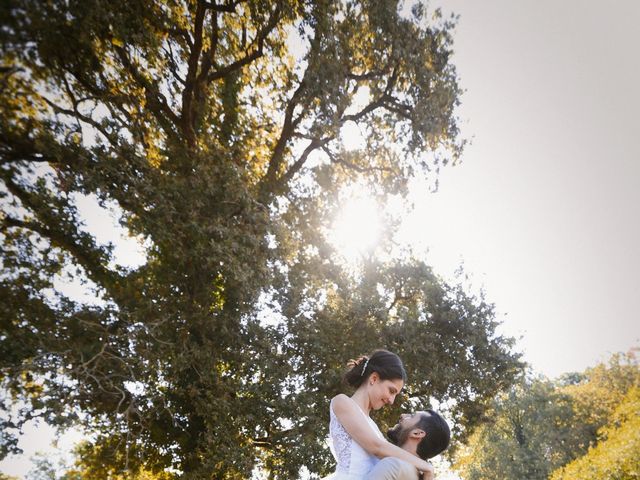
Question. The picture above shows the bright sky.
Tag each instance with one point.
(544, 209)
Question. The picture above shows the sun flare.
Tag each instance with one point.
(357, 228)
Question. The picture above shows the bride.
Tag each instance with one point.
(357, 443)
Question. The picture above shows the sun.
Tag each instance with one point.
(357, 228)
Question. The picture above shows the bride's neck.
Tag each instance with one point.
(361, 398)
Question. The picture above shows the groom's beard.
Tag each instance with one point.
(398, 435)
(394, 434)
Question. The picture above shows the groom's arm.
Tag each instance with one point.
(391, 468)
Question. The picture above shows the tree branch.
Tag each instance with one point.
(249, 57)
(288, 129)
(361, 77)
(352, 166)
(19, 146)
(207, 60)
(156, 101)
(272, 438)
(188, 116)
(9, 156)
(109, 100)
(366, 110)
(79, 116)
(51, 226)
(229, 7)
(10, 222)
(398, 297)
(297, 165)
(173, 65)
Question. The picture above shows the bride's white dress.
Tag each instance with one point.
(353, 462)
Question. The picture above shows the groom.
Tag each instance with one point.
(425, 434)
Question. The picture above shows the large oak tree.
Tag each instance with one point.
(213, 129)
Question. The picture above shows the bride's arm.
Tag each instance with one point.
(355, 423)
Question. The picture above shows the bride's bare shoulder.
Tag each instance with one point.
(340, 398)
(342, 403)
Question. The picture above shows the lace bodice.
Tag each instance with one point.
(352, 460)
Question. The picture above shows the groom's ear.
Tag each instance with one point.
(418, 433)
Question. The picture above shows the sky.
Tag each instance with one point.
(543, 210)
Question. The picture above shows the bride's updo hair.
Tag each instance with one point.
(388, 366)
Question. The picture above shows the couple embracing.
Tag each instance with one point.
(360, 449)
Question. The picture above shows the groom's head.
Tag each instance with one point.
(424, 433)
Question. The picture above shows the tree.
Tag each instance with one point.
(528, 433)
(46, 469)
(541, 426)
(88, 465)
(91, 463)
(192, 121)
(616, 455)
(607, 403)
(7, 477)
(600, 390)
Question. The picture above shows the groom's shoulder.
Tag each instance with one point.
(391, 468)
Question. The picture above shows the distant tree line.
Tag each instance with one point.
(582, 426)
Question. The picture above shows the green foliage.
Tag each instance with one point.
(601, 391)
(616, 456)
(44, 468)
(527, 435)
(105, 462)
(7, 477)
(193, 122)
(583, 421)
(89, 465)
